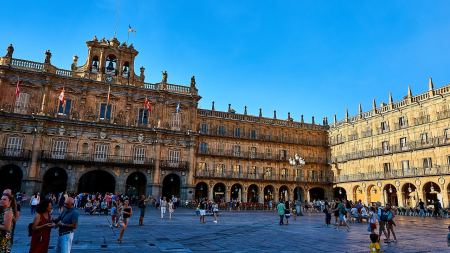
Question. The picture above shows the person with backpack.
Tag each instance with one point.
(382, 221)
(390, 224)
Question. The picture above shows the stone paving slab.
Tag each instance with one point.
(250, 231)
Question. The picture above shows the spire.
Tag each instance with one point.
(213, 108)
(374, 105)
(229, 107)
(430, 84)
(346, 115)
(275, 114)
(245, 110)
(312, 120)
(335, 119)
(360, 109)
(301, 119)
(260, 112)
(289, 116)
(391, 101)
(409, 92)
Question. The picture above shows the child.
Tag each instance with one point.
(374, 245)
(327, 216)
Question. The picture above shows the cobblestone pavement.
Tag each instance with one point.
(249, 231)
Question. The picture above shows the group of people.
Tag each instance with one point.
(205, 207)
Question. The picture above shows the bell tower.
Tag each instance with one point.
(110, 61)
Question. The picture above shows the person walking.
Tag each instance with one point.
(163, 207)
(287, 212)
(126, 214)
(390, 224)
(142, 204)
(421, 209)
(34, 201)
(171, 206)
(6, 221)
(67, 222)
(280, 209)
(41, 227)
(215, 208)
(202, 210)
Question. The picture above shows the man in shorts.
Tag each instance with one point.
(202, 210)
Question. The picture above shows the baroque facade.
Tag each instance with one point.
(397, 152)
(100, 127)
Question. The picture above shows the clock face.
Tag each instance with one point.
(109, 79)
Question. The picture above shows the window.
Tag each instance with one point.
(203, 147)
(64, 108)
(403, 145)
(14, 146)
(174, 156)
(236, 150)
(253, 152)
(427, 162)
(384, 127)
(253, 134)
(405, 165)
(269, 153)
(284, 173)
(253, 170)
(424, 138)
(402, 122)
(105, 111)
(220, 169)
(176, 121)
(201, 166)
(268, 172)
(385, 146)
(220, 148)
(221, 130)
(447, 133)
(59, 149)
(101, 152)
(299, 174)
(204, 128)
(21, 105)
(283, 154)
(237, 169)
(387, 167)
(237, 132)
(139, 155)
(143, 116)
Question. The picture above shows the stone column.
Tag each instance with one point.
(244, 195)
(261, 194)
(35, 152)
(227, 194)
(383, 197)
(276, 197)
(190, 187)
(210, 192)
(400, 199)
(307, 195)
(156, 184)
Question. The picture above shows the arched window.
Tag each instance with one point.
(126, 69)
(95, 64)
(111, 62)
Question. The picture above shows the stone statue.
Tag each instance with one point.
(48, 56)
(164, 76)
(193, 81)
(142, 75)
(9, 51)
(95, 38)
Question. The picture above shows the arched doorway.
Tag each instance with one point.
(390, 195)
(373, 194)
(358, 194)
(219, 193)
(136, 185)
(97, 181)
(432, 193)
(410, 195)
(316, 193)
(268, 193)
(298, 190)
(236, 192)
(11, 178)
(339, 193)
(55, 181)
(252, 194)
(171, 186)
(283, 193)
(201, 191)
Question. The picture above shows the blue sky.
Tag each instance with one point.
(304, 57)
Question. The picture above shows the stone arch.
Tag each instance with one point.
(339, 193)
(54, 181)
(431, 193)
(253, 193)
(236, 192)
(283, 193)
(358, 193)
(409, 195)
(373, 194)
(171, 186)
(136, 184)
(390, 194)
(316, 193)
(268, 193)
(299, 192)
(201, 190)
(219, 191)
(11, 177)
(97, 181)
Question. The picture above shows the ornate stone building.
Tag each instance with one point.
(397, 152)
(100, 127)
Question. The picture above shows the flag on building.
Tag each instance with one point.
(17, 87)
(62, 100)
(147, 105)
(109, 93)
(130, 29)
(178, 108)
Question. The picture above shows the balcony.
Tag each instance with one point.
(173, 165)
(443, 114)
(271, 177)
(14, 154)
(394, 174)
(422, 120)
(102, 159)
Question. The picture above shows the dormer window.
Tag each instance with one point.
(111, 62)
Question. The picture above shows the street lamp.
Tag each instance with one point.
(298, 162)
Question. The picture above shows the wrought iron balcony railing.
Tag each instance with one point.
(98, 158)
(14, 154)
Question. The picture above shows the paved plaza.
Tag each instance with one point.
(245, 231)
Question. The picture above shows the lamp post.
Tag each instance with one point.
(298, 163)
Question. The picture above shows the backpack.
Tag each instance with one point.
(384, 216)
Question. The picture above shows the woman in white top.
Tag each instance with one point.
(170, 204)
(215, 209)
(163, 207)
(34, 202)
